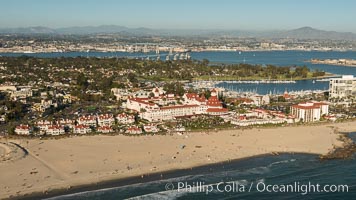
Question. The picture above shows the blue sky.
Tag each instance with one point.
(335, 15)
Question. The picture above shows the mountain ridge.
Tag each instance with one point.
(305, 32)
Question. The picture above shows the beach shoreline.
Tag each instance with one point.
(162, 175)
(63, 175)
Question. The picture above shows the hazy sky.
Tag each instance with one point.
(338, 15)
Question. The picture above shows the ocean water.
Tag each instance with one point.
(276, 88)
(250, 177)
(279, 58)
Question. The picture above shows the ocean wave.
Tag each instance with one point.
(173, 194)
(282, 162)
(256, 170)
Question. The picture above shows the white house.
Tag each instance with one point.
(23, 130)
(88, 120)
(124, 118)
(66, 122)
(55, 130)
(44, 122)
(21, 92)
(150, 128)
(250, 122)
(81, 129)
(106, 120)
(43, 125)
(105, 129)
(134, 130)
(2, 118)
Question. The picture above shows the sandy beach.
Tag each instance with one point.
(61, 163)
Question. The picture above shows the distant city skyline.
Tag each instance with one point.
(256, 15)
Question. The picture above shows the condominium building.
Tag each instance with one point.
(344, 87)
(310, 111)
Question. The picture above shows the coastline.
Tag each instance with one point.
(335, 62)
(173, 173)
(193, 50)
(232, 78)
(243, 144)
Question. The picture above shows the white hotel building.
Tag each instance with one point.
(193, 105)
(170, 112)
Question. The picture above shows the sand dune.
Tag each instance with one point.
(60, 163)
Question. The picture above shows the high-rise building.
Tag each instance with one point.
(344, 87)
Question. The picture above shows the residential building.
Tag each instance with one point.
(150, 128)
(66, 122)
(134, 130)
(44, 105)
(21, 92)
(344, 87)
(124, 118)
(121, 94)
(43, 125)
(81, 129)
(89, 120)
(3, 118)
(251, 122)
(23, 130)
(260, 100)
(106, 120)
(105, 129)
(310, 111)
(55, 130)
(8, 88)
